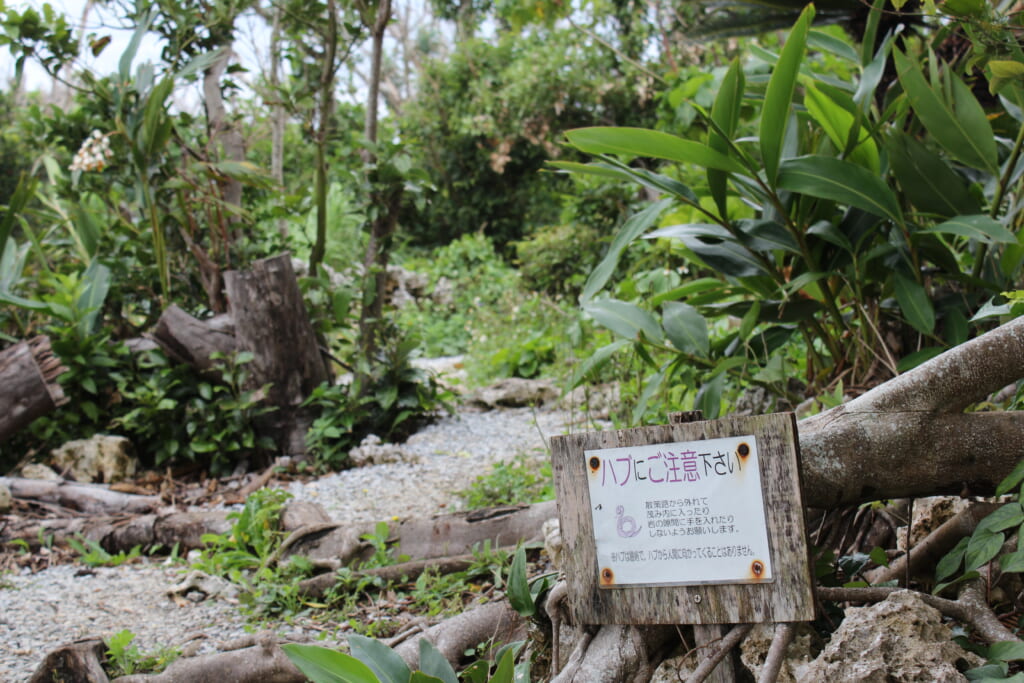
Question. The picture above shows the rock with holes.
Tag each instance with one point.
(898, 639)
(800, 652)
(515, 392)
(102, 458)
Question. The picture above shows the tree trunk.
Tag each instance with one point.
(271, 322)
(324, 110)
(28, 384)
(92, 498)
(909, 437)
(221, 130)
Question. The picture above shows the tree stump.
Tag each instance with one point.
(28, 377)
(271, 321)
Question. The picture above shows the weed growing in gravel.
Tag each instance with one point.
(511, 483)
(93, 554)
(125, 659)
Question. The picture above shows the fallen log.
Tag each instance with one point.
(494, 623)
(264, 662)
(191, 341)
(91, 498)
(28, 375)
(80, 660)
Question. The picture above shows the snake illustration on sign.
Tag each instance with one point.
(679, 513)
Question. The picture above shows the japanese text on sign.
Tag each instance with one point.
(679, 513)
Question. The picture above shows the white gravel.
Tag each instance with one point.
(41, 611)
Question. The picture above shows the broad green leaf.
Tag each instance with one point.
(518, 587)
(124, 67)
(1007, 650)
(420, 677)
(595, 169)
(635, 226)
(1013, 562)
(624, 319)
(505, 671)
(914, 302)
(686, 328)
(964, 8)
(650, 143)
(1012, 480)
(16, 203)
(765, 235)
(827, 231)
(982, 547)
(433, 663)
(979, 227)
(388, 666)
(951, 561)
(321, 665)
(928, 181)
(727, 257)
(779, 95)
(960, 125)
(1003, 517)
(838, 123)
(726, 114)
(651, 385)
(829, 43)
(749, 321)
(840, 181)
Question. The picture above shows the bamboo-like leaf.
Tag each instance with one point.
(726, 115)
(686, 328)
(322, 665)
(595, 360)
(838, 124)
(914, 302)
(630, 231)
(518, 587)
(624, 319)
(650, 143)
(928, 181)
(960, 125)
(385, 663)
(979, 227)
(840, 181)
(828, 43)
(779, 95)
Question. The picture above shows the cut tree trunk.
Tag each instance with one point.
(28, 384)
(271, 322)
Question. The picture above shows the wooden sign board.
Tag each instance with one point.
(692, 523)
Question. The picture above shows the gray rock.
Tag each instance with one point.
(755, 646)
(899, 639)
(35, 470)
(374, 452)
(515, 392)
(6, 500)
(102, 458)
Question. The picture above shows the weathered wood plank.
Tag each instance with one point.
(787, 597)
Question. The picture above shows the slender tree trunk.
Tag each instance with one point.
(277, 112)
(325, 109)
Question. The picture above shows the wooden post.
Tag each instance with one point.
(271, 322)
(28, 384)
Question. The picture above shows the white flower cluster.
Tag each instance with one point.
(94, 153)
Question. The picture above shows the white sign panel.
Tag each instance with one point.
(679, 513)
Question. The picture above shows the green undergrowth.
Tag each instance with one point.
(521, 480)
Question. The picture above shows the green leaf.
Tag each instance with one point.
(635, 226)
(982, 547)
(1003, 517)
(1013, 562)
(926, 178)
(709, 398)
(505, 671)
(433, 663)
(951, 561)
(979, 227)
(686, 328)
(838, 124)
(322, 665)
(914, 302)
(828, 43)
(1012, 480)
(726, 114)
(1006, 651)
(840, 181)
(518, 587)
(960, 125)
(912, 360)
(385, 663)
(597, 359)
(779, 95)
(650, 143)
(878, 556)
(624, 319)
(420, 677)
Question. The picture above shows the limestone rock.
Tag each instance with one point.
(35, 470)
(801, 650)
(929, 514)
(6, 500)
(198, 585)
(515, 392)
(373, 452)
(596, 402)
(102, 458)
(899, 639)
(553, 544)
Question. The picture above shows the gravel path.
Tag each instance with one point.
(41, 611)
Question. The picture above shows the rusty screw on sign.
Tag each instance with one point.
(743, 450)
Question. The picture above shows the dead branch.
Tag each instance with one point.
(495, 622)
(776, 653)
(92, 498)
(731, 639)
(318, 586)
(265, 662)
